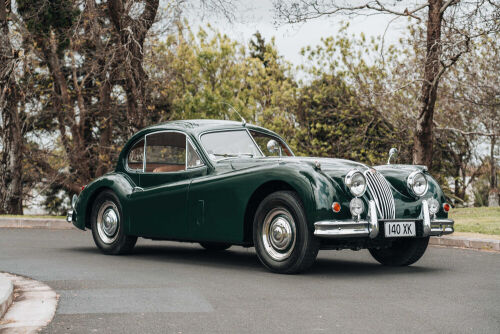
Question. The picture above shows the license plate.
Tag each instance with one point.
(399, 229)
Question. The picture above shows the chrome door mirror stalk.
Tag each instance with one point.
(273, 147)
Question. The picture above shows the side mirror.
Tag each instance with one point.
(273, 147)
(393, 152)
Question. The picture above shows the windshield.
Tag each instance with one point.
(227, 144)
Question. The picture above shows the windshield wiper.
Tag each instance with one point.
(225, 155)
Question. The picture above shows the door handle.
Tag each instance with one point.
(136, 189)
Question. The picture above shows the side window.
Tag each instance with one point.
(261, 139)
(165, 152)
(193, 159)
(135, 159)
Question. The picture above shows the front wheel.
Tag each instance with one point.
(402, 252)
(282, 239)
(106, 221)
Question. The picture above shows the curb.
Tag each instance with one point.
(43, 223)
(6, 294)
(465, 242)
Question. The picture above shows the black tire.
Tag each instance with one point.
(215, 246)
(280, 212)
(402, 252)
(108, 239)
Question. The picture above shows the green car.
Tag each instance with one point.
(223, 183)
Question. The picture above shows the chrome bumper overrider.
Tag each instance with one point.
(370, 227)
(69, 216)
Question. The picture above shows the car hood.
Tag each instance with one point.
(330, 166)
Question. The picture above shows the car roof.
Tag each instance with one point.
(198, 126)
(193, 127)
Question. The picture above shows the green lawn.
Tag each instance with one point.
(477, 220)
(32, 216)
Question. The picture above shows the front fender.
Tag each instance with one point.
(119, 183)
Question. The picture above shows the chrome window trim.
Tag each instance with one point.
(185, 148)
(127, 168)
(188, 140)
(226, 130)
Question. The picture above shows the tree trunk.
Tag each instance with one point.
(132, 33)
(11, 186)
(422, 149)
(493, 194)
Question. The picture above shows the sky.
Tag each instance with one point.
(258, 15)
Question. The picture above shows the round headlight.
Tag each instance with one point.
(356, 206)
(356, 183)
(417, 183)
(433, 206)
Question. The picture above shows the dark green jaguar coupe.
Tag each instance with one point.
(223, 183)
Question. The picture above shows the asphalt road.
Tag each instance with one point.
(180, 288)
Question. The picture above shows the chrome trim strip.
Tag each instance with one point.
(374, 229)
(426, 218)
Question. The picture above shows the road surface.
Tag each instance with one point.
(167, 287)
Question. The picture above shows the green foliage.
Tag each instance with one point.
(200, 75)
(43, 17)
(334, 124)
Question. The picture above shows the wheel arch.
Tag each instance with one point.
(90, 204)
(115, 182)
(256, 198)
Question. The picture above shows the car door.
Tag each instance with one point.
(160, 201)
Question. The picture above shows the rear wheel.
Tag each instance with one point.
(282, 239)
(107, 225)
(215, 246)
(402, 252)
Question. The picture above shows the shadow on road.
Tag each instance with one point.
(238, 258)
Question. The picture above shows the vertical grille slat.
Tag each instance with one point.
(381, 193)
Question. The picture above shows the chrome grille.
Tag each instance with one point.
(380, 191)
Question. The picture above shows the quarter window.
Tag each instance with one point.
(193, 159)
(135, 160)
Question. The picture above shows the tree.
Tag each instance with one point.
(472, 95)
(461, 22)
(11, 146)
(202, 75)
(132, 21)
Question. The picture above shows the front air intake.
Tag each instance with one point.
(380, 191)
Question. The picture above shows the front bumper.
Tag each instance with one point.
(372, 226)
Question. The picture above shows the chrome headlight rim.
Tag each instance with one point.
(349, 179)
(410, 180)
(73, 201)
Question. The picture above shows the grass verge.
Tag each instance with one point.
(32, 216)
(482, 220)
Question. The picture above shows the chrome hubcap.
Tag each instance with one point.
(278, 234)
(108, 222)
